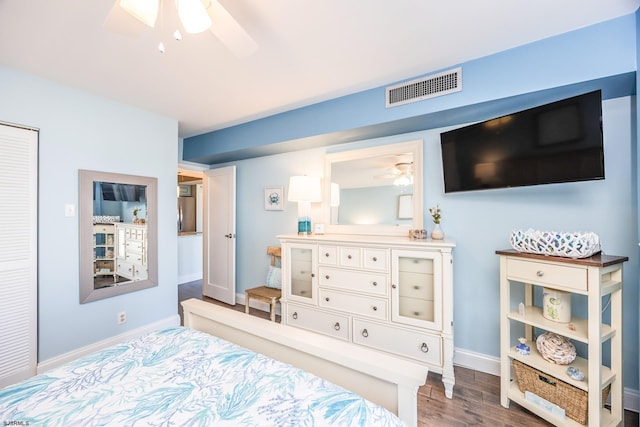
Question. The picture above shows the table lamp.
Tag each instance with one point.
(304, 190)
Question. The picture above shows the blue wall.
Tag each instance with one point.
(82, 131)
(602, 56)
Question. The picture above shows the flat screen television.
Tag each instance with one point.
(552, 143)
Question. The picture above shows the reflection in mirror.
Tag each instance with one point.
(374, 190)
(117, 233)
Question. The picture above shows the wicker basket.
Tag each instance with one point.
(573, 400)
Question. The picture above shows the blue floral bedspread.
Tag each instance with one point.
(183, 377)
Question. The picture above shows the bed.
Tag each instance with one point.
(217, 370)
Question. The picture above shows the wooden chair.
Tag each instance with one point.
(264, 293)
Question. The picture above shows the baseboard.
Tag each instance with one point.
(54, 362)
(187, 278)
(491, 365)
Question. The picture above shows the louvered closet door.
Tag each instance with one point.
(18, 253)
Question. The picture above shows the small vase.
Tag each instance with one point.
(437, 233)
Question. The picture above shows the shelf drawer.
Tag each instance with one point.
(373, 283)
(415, 345)
(354, 304)
(103, 229)
(331, 324)
(553, 275)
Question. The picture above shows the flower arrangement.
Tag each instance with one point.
(436, 214)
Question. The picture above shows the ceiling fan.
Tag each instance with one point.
(401, 173)
(130, 17)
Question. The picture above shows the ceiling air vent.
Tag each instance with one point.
(427, 87)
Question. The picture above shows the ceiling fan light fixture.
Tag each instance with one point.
(193, 15)
(144, 10)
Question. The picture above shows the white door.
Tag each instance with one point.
(219, 235)
(18, 253)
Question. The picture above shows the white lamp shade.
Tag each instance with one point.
(335, 195)
(304, 189)
(144, 10)
(193, 15)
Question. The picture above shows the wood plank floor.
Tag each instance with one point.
(476, 395)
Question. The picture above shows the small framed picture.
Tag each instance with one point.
(405, 206)
(273, 198)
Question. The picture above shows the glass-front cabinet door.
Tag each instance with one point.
(416, 288)
(301, 277)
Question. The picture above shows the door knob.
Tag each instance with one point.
(230, 235)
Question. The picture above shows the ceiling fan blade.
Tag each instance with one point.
(121, 22)
(229, 31)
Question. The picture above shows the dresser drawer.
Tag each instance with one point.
(415, 308)
(416, 285)
(353, 304)
(330, 324)
(134, 246)
(328, 255)
(415, 345)
(375, 259)
(348, 256)
(373, 283)
(553, 275)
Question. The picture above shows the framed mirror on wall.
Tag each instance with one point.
(376, 190)
(117, 217)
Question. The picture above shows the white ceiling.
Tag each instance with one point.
(310, 50)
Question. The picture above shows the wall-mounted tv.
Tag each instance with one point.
(552, 143)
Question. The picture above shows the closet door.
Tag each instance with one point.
(18, 253)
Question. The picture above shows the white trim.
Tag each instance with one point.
(187, 278)
(54, 362)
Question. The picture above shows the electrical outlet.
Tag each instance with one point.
(122, 317)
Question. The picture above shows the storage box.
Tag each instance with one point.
(573, 400)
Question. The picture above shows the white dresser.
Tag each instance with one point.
(392, 294)
(131, 253)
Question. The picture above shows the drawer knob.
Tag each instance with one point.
(375, 258)
(394, 286)
(375, 283)
(313, 274)
(424, 347)
(337, 326)
(326, 299)
(326, 254)
(295, 315)
(539, 273)
(416, 287)
(416, 313)
(365, 333)
(326, 277)
(375, 308)
(349, 256)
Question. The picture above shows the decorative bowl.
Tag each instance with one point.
(564, 244)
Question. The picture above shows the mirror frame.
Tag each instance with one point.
(86, 179)
(414, 147)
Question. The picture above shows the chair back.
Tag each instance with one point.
(276, 254)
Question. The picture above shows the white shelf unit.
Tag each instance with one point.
(390, 294)
(104, 245)
(597, 278)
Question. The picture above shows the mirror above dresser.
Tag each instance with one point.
(375, 191)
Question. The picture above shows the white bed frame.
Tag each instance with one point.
(383, 379)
